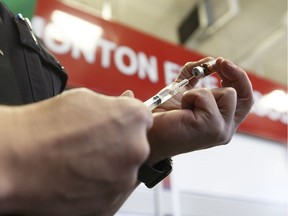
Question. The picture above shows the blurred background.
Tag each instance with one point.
(251, 33)
(248, 177)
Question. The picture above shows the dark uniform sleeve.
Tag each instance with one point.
(28, 72)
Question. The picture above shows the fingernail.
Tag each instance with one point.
(128, 93)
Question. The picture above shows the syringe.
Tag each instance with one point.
(172, 89)
(165, 94)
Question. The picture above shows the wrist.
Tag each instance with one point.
(157, 149)
(14, 145)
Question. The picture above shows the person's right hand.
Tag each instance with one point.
(201, 118)
(75, 154)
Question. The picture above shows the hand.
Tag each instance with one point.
(201, 118)
(76, 154)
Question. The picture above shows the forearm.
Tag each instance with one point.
(22, 131)
(7, 159)
(65, 162)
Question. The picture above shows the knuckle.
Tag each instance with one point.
(138, 112)
(231, 92)
(186, 69)
(204, 91)
(188, 65)
(225, 137)
(221, 133)
(141, 153)
(138, 153)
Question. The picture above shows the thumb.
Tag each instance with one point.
(128, 93)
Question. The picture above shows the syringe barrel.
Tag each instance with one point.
(165, 94)
(204, 69)
(153, 102)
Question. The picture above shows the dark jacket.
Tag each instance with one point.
(28, 73)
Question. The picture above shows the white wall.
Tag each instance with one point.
(248, 177)
(248, 167)
(248, 172)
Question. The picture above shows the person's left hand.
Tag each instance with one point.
(200, 118)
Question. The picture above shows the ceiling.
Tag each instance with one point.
(254, 36)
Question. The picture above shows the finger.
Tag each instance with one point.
(200, 100)
(186, 71)
(226, 99)
(128, 93)
(234, 76)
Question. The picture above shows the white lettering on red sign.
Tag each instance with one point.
(129, 62)
(107, 48)
(262, 111)
(126, 59)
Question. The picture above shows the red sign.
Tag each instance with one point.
(109, 58)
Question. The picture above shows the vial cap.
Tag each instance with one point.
(198, 72)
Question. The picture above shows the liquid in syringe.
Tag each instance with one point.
(165, 94)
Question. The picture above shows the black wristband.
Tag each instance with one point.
(151, 176)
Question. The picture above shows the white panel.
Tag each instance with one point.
(245, 178)
(248, 169)
(141, 202)
(157, 201)
(207, 205)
